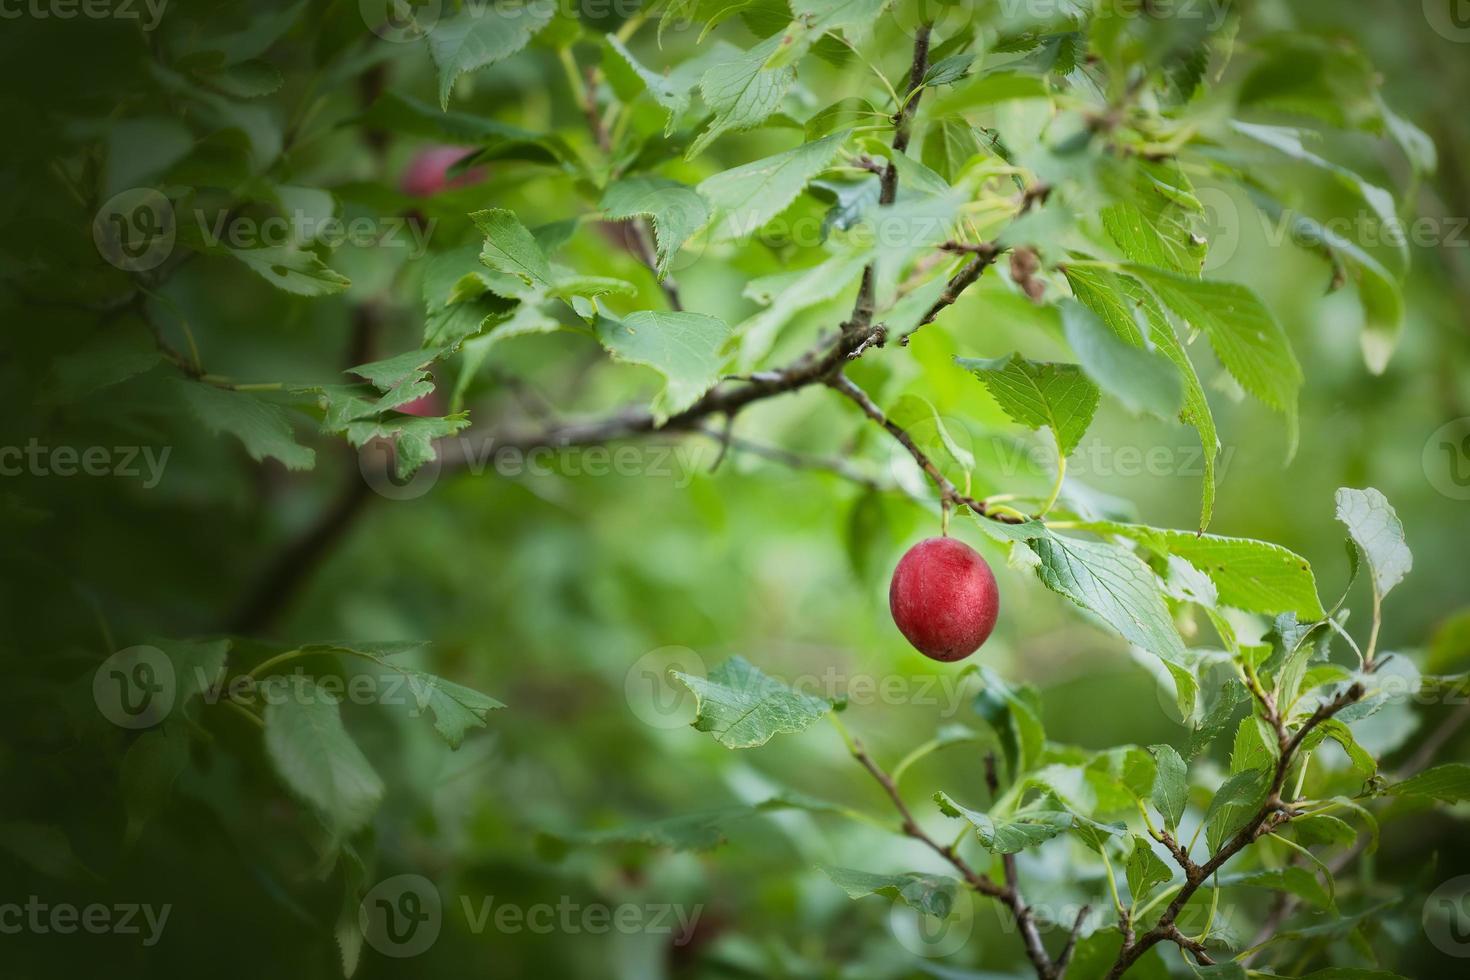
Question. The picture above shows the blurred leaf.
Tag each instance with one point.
(317, 760)
(931, 894)
(262, 427)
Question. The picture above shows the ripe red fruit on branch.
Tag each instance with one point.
(944, 599)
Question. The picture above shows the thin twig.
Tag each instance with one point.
(948, 491)
(1272, 813)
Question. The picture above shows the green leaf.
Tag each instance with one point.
(683, 347)
(1114, 585)
(1289, 142)
(413, 437)
(950, 143)
(742, 707)
(510, 247)
(800, 290)
(263, 428)
(663, 89)
(295, 270)
(746, 197)
(855, 18)
(743, 92)
(1135, 316)
(1014, 713)
(1237, 799)
(1363, 762)
(1143, 380)
(1375, 529)
(1255, 576)
(1143, 241)
(675, 210)
(456, 708)
(1322, 828)
(1035, 394)
(480, 35)
(947, 71)
(1171, 786)
(931, 894)
(1145, 869)
(1009, 835)
(149, 768)
(1292, 879)
(1242, 332)
(1449, 783)
(316, 758)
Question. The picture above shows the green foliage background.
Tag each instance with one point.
(545, 591)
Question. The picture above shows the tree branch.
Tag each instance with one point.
(862, 312)
(1271, 814)
(948, 491)
(979, 881)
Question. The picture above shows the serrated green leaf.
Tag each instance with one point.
(1255, 576)
(1375, 529)
(510, 247)
(931, 894)
(742, 707)
(1036, 394)
(745, 198)
(317, 760)
(1145, 869)
(263, 428)
(675, 209)
(479, 36)
(1449, 783)
(684, 347)
(1011, 834)
(1114, 585)
(1171, 786)
(1237, 799)
(1134, 315)
(295, 270)
(1243, 333)
(743, 92)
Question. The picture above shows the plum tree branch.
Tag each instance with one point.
(1271, 814)
(948, 492)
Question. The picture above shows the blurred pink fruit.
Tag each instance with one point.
(428, 172)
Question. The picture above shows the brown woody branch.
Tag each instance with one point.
(949, 493)
(1272, 813)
